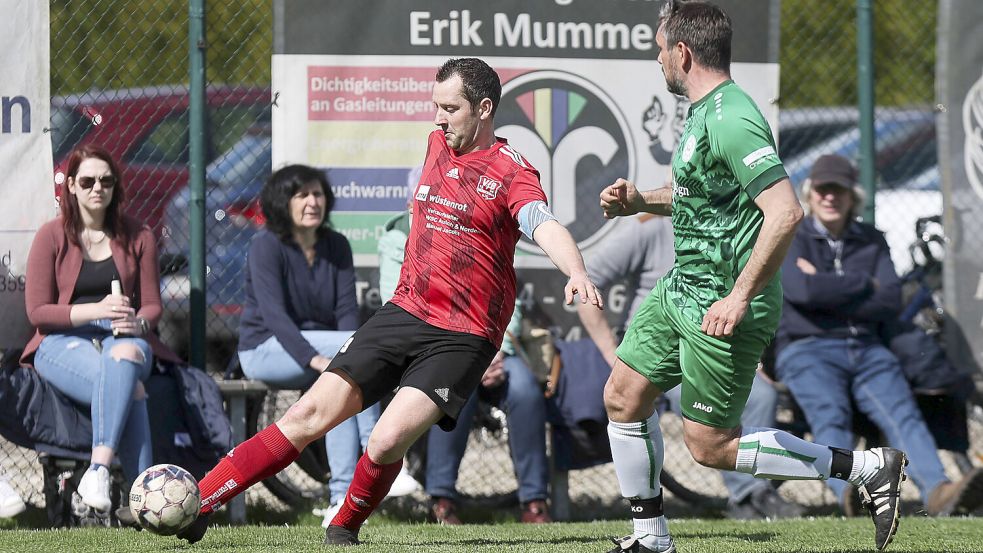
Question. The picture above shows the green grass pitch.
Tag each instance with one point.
(811, 535)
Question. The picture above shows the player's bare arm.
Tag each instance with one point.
(599, 330)
(623, 198)
(782, 213)
(556, 241)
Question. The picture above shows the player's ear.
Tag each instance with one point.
(485, 108)
(685, 56)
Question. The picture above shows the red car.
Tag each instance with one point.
(146, 131)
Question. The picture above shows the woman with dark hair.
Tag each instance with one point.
(300, 303)
(93, 296)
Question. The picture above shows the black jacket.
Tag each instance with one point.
(841, 300)
(184, 404)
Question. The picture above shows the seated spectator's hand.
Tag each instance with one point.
(495, 373)
(114, 307)
(129, 325)
(805, 266)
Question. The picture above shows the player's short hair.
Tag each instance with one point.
(480, 80)
(280, 187)
(702, 26)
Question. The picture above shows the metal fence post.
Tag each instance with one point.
(865, 103)
(196, 165)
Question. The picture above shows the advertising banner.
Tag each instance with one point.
(584, 100)
(960, 78)
(25, 154)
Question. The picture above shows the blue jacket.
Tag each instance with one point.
(285, 295)
(838, 303)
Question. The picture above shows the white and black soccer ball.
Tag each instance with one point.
(165, 499)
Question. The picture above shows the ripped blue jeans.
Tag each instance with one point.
(90, 375)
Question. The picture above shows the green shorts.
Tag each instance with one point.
(716, 374)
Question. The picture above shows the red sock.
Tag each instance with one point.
(259, 457)
(369, 487)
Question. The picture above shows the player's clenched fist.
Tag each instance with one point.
(619, 199)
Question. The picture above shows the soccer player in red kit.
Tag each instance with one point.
(444, 324)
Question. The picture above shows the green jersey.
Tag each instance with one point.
(725, 158)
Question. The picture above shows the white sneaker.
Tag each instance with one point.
(94, 489)
(11, 504)
(404, 484)
(330, 513)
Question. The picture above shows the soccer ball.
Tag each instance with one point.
(165, 499)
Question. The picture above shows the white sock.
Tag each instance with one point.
(653, 533)
(637, 451)
(769, 453)
(865, 465)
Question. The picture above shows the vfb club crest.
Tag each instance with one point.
(488, 188)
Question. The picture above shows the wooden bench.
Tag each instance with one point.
(236, 394)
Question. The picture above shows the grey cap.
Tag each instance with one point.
(833, 169)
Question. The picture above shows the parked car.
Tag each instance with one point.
(146, 131)
(906, 163)
(232, 215)
(801, 128)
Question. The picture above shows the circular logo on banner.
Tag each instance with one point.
(973, 129)
(575, 135)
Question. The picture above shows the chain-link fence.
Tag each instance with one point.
(119, 78)
(819, 98)
(125, 88)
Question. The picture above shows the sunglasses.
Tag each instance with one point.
(107, 181)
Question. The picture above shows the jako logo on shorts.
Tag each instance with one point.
(702, 407)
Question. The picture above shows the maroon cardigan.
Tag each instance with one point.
(53, 267)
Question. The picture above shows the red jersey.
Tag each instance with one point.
(458, 273)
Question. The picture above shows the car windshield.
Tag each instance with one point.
(250, 157)
(912, 153)
(68, 128)
(906, 147)
(794, 140)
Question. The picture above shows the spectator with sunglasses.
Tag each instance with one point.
(93, 296)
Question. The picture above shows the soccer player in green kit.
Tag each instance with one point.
(706, 322)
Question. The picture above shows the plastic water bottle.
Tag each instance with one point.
(116, 289)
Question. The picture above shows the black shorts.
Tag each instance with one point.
(394, 348)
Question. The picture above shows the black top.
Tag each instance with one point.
(94, 282)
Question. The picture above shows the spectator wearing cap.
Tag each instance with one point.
(840, 286)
